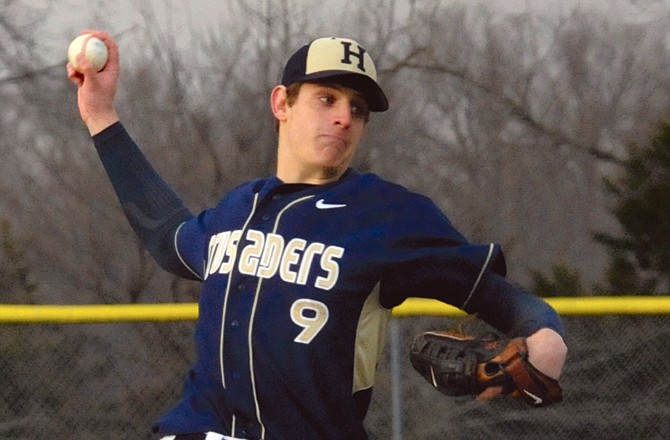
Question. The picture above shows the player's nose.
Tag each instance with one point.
(343, 114)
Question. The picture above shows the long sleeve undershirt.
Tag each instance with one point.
(153, 209)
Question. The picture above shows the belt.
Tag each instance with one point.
(201, 436)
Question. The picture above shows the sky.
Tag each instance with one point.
(67, 17)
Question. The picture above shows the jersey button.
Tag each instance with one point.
(265, 217)
(235, 323)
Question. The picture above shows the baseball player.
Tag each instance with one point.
(300, 270)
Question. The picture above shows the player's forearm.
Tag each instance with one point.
(512, 309)
(152, 208)
(517, 312)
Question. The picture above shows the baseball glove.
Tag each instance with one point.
(462, 365)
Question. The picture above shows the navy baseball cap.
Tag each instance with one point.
(339, 60)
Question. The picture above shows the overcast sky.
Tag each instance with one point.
(68, 17)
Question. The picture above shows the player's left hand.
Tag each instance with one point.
(464, 365)
(546, 352)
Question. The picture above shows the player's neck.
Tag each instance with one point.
(315, 176)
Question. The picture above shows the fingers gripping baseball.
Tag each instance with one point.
(96, 89)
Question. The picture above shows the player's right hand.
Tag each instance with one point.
(96, 90)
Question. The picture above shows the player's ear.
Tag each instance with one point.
(278, 102)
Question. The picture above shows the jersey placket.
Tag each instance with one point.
(240, 306)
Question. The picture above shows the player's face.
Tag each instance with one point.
(320, 132)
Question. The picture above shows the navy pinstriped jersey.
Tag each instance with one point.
(297, 283)
(294, 276)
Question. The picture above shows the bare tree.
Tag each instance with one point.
(515, 118)
(507, 121)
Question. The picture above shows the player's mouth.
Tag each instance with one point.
(336, 141)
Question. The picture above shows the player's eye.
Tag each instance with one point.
(359, 109)
(327, 99)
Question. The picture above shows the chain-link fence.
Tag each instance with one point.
(112, 381)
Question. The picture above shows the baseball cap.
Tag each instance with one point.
(340, 60)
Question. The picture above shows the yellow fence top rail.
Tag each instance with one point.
(90, 313)
(583, 305)
(98, 313)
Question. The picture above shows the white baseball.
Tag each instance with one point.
(93, 48)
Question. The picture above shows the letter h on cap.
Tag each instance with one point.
(348, 53)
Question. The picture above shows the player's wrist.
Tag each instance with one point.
(97, 124)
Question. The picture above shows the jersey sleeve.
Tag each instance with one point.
(153, 210)
(191, 243)
(429, 258)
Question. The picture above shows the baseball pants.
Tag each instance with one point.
(201, 436)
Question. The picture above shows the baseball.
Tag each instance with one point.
(93, 48)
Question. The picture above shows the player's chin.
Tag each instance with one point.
(335, 162)
(334, 154)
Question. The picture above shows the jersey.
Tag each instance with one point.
(297, 286)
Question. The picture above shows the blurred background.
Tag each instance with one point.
(540, 126)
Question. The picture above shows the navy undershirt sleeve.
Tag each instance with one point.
(511, 309)
(153, 209)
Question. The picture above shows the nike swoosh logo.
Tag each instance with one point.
(536, 399)
(321, 204)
